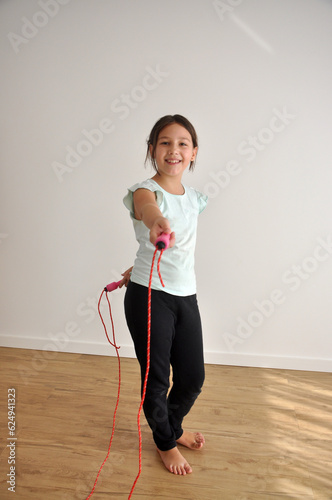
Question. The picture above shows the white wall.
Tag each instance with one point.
(251, 71)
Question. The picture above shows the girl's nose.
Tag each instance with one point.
(172, 148)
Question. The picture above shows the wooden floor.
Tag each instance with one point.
(268, 432)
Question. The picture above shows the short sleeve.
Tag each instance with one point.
(202, 201)
(129, 201)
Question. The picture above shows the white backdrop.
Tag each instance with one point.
(83, 82)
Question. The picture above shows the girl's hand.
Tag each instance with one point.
(161, 225)
(126, 277)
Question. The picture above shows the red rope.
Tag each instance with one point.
(158, 268)
(147, 367)
(119, 384)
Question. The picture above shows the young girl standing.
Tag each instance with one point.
(159, 205)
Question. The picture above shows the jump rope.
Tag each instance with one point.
(161, 244)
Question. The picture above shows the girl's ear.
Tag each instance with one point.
(194, 153)
(150, 150)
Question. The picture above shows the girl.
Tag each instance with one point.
(159, 205)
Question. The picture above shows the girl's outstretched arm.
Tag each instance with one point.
(147, 210)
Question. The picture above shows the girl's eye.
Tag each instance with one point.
(166, 143)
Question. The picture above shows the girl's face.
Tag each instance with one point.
(174, 150)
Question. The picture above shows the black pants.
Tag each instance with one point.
(176, 340)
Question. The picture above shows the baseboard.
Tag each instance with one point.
(66, 345)
(267, 361)
(211, 357)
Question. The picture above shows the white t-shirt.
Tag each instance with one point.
(177, 263)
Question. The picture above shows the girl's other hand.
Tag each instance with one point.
(126, 277)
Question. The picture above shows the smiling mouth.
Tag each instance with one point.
(173, 162)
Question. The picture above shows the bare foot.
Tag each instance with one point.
(175, 462)
(192, 440)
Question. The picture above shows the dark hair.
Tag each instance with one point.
(159, 126)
